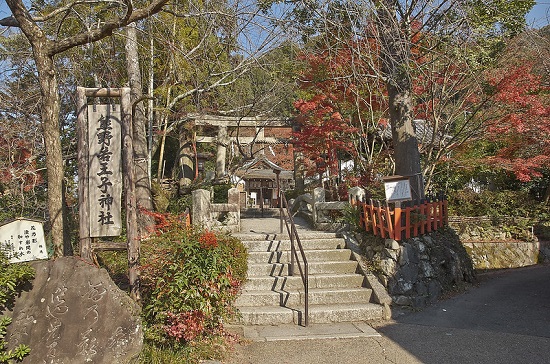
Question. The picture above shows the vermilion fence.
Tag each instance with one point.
(399, 223)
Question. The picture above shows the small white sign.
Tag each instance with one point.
(398, 190)
(23, 240)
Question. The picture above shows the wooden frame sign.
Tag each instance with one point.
(397, 188)
(105, 170)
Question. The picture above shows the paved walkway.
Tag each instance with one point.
(271, 225)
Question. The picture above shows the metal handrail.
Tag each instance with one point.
(286, 216)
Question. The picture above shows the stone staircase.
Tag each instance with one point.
(336, 292)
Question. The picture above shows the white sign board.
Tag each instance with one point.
(398, 190)
(105, 170)
(23, 240)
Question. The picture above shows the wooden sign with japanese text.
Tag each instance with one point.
(105, 171)
(397, 189)
(23, 240)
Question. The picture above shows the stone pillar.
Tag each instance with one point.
(186, 158)
(233, 198)
(223, 141)
(318, 196)
(201, 207)
(356, 194)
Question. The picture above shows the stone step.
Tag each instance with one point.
(281, 269)
(347, 312)
(303, 235)
(295, 282)
(256, 298)
(316, 296)
(311, 255)
(268, 315)
(271, 297)
(284, 245)
(343, 312)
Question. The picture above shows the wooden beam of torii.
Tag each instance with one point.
(241, 140)
(231, 121)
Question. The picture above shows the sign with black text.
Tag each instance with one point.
(398, 190)
(22, 240)
(105, 171)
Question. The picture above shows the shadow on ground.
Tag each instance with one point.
(505, 319)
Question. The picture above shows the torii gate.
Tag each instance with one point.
(223, 139)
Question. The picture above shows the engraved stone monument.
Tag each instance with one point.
(74, 314)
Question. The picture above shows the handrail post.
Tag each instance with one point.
(292, 253)
(280, 196)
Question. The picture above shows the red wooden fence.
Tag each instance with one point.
(399, 223)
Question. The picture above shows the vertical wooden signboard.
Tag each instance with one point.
(104, 172)
(104, 144)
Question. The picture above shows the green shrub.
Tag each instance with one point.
(497, 203)
(190, 278)
(12, 278)
(180, 205)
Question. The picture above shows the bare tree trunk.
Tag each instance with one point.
(143, 185)
(395, 54)
(52, 141)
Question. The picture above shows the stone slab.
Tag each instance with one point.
(74, 313)
(340, 330)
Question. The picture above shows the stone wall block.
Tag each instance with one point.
(421, 288)
(409, 272)
(392, 244)
(427, 269)
(393, 254)
(388, 267)
(434, 289)
(404, 287)
(408, 255)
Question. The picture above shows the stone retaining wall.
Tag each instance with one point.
(496, 243)
(419, 270)
(498, 255)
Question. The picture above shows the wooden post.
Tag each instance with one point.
(130, 196)
(373, 214)
(397, 221)
(262, 198)
(83, 193)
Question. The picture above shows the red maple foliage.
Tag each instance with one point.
(335, 107)
(522, 127)
(18, 167)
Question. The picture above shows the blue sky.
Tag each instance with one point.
(537, 18)
(540, 14)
